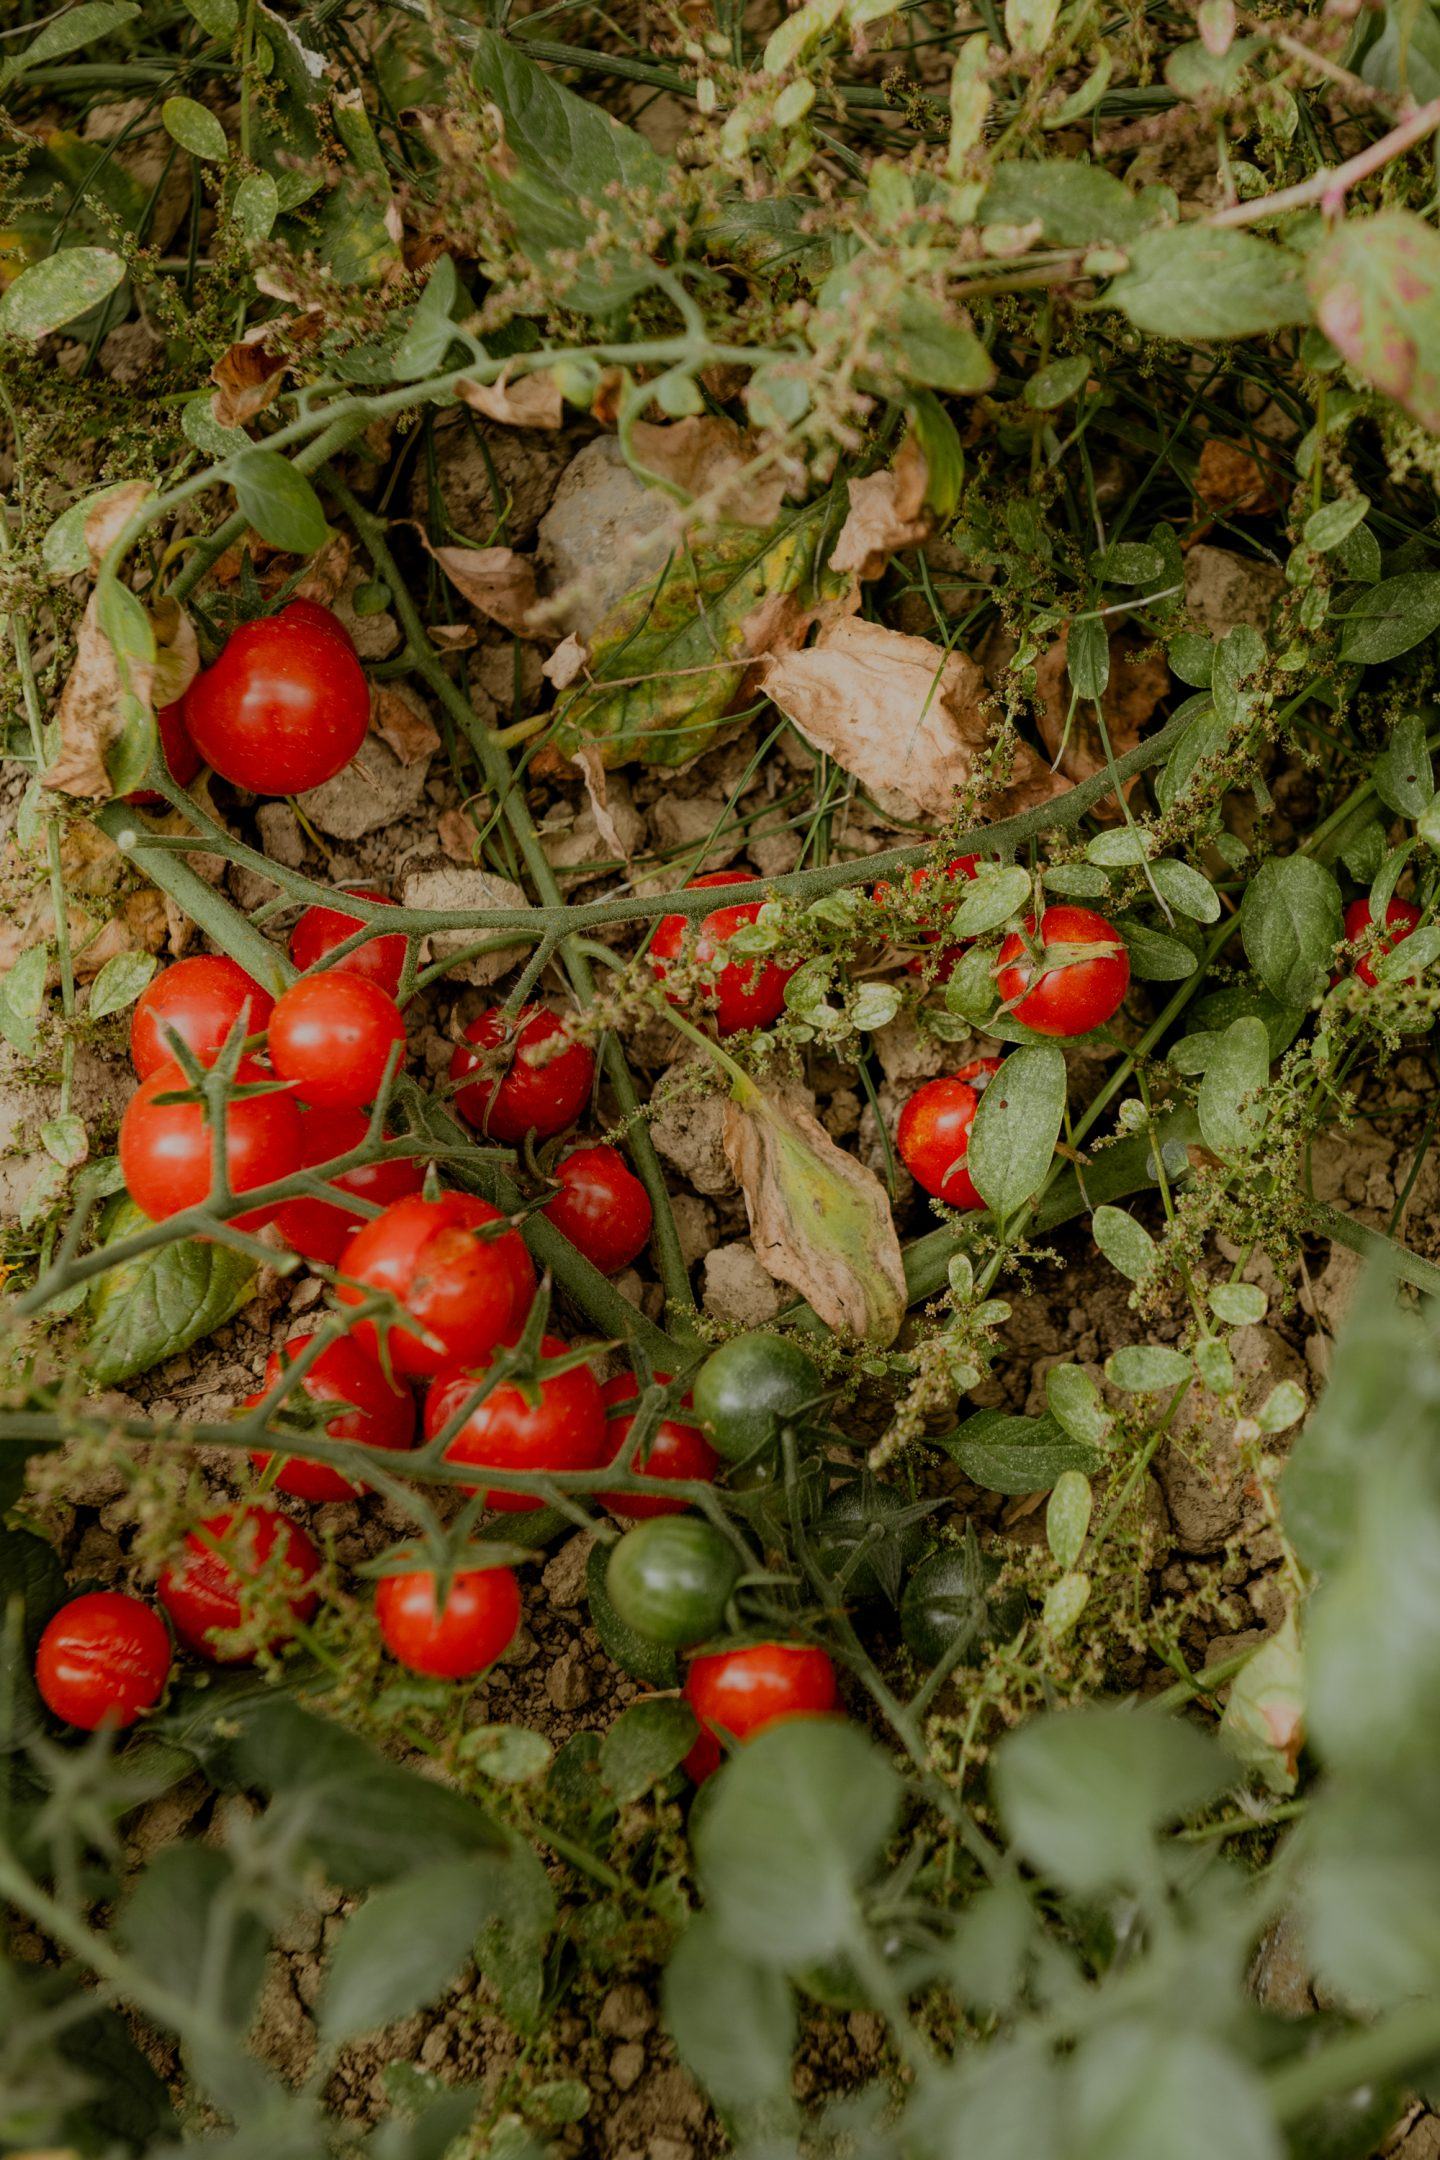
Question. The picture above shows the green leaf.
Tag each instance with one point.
(937, 351)
(22, 998)
(732, 2020)
(220, 18)
(1283, 1407)
(119, 982)
(1030, 25)
(1154, 957)
(1290, 922)
(154, 1306)
(1076, 1404)
(1192, 658)
(649, 1662)
(1075, 205)
(32, 1583)
(1012, 1142)
(799, 1817)
(1142, 2092)
(1198, 281)
(1052, 386)
(255, 207)
(677, 646)
(1126, 1244)
(567, 166)
(1334, 522)
(430, 331)
(174, 1915)
(279, 502)
(1067, 1519)
(1120, 849)
(511, 1946)
(1015, 1454)
(1148, 1369)
(195, 128)
(1130, 562)
(1082, 1792)
(70, 31)
(644, 1745)
(510, 1754)
(49, 294)
(1375, 283)
(1238, 1304)
(995, 894)
(408, 1944)
(1186, 890)
(1265, 1711)
(1232, 1117)
(1088, 657)
(65, 1140)
(1392, 618)
(1403, 775)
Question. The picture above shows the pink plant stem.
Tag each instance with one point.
(1329, 189)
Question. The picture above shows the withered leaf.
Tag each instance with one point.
(111, 514)
(708, 456)
(177, 653)
(1231, 477)
(497, 580)
(247, 378)
(399, 718)
(89, 716)
(819, 1219)
(325, 573)
(887, 511)
(566, 662)
(529, 401)
(900, 714)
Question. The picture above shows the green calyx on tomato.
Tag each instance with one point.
(670, 1579)
(750, 1388)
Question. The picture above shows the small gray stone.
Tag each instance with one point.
(374, 791)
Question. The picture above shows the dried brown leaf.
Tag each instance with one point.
(325, 573)
(592, 771)
(109, 518)
(708, 456)
(900, 714)
(1137, 683)
(530, 401)
(566, 662)
(497, 580)
(887, 511)
(247, 378)
(399, 718)
(455, 830)
(819, 1220)
(1231, 477)
(177, 653)
(88, 715)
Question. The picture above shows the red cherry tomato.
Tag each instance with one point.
(601, 1206)
(466, 1291)
(333, 1036)
(676, 1451)
(165, 1148)
(381, 1414)
(740, 1692)
(933, 1134)
(200, 999)
(478, 1620)
(321, 1229)
(321, 929)
(310, 615)
(206, 1591)
(1401, 916)
(1061, 999)
(284, 708)
(741, 993)
(103, 1660)
(535, 1078)
(562, 1429)
(182, 759)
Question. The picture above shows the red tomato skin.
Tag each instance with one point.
(311, 615)
(565, 1430)
(332, 1035)
(165, 1148)
(321, 1229)
(182, 759)
(677, 1450)
(478, 1622)
(1065, 1000)
(201, 999)
(103, 1659)
(542, 1090)
(601, 1206)
(742, 993)
(471, 1293)
(321, 929)
(284, 708)
(742, 1691)
(383, 1414)
(203, 1593)
(1401, 916)
(933, 1133)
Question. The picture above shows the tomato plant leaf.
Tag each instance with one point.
(279, 502)
(1290, 923)
(1376, 286)
(188, 1898)
(732, 2020)
(635, 1654)
(644, 1745)
(1015, 1454)
(1391, 618)
(154, 1306)
(1075, 205)
(406, 1945)
(1012, 1142)
(1197, 281)
(1141, 2093)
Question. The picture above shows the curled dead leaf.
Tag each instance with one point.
(325, 573)
(247, 378)
(88, 716)
(1231, 477)
(566, 662)
(1138, 681)
(887, 511)
(399, 718)
(592, 771)
(109, 518)
(498, 581)
(900, 714)
(529, 401)
(101, 919)
(455, 830)
(177, 653)
(819, 1219)
(708, 457)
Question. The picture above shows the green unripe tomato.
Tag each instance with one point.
(670, 1579)
(863, 1537)
(748, 1388)
(948, 1597)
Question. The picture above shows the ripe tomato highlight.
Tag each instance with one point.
(321, 1229)
(741, 1691)
(283, 709)
(206, 1591)
(1401, 917)
(1063, 999)
(165, 1148)
(740, 993)
(535, 1079)
(200, 1000)
(556, 1424)
(476, 1624)
(933, 1133)
(381, 1414)
(601, 1206)
(103, 1659)
(321, 929)
(677, 1450)
(333, 1035)
(465, 1291)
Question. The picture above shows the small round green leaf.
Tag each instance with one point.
(51, 293)
(195, 128)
